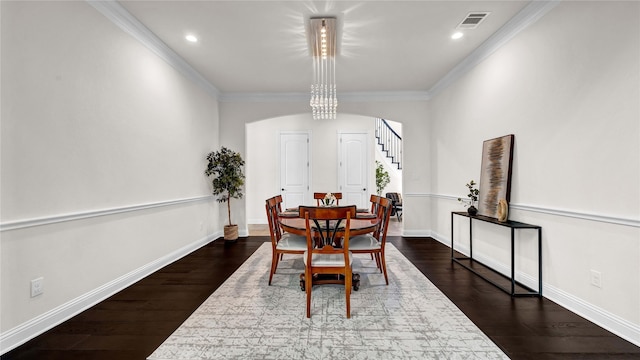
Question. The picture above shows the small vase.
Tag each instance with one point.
(472, 210)
(503, 210)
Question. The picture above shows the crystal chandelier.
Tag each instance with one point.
(323, 48)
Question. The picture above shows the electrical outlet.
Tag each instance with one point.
(596, 278)
(37, 286)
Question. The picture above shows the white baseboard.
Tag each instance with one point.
(440, 238)
(26, 331)
(603, 318)
(416, 233)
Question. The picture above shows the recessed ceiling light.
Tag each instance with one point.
(457, 35)
(191, 38)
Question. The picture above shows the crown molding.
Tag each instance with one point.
(385, 96)
(113, 11)
(527, 16)
(264, 97)
(348, 97)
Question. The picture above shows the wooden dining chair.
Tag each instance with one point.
(318, 196)
(281, 242)
(374, 243)
(326, 227)
(396, 204)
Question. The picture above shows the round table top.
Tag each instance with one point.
(293, 213)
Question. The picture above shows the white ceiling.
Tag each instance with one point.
(261, 46)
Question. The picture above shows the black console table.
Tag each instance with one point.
(513, 225)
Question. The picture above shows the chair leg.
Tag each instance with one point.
(274, 265)
(347, 289)
(308, 284)
(378, 264)
(384, 267)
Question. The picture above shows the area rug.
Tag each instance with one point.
(245, 318)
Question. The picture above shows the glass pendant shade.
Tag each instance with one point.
(324, 101)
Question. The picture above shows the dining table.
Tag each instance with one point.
(291, 222)
(365, 222)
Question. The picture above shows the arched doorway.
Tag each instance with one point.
(262, 167)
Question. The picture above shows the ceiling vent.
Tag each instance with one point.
(472, 20)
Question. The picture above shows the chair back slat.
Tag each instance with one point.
(325, 223)
(272, 219)
(319, 196)
(374, 199)
(383, 221)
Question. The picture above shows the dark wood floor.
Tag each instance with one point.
(134, 322)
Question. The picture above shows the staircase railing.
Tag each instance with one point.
(390, 141)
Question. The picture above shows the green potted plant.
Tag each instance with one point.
(473, 198)
(382, 178)
(225, 168)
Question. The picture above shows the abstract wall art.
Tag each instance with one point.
(495, 176)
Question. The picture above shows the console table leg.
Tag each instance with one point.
(513, 265)
(540, 262)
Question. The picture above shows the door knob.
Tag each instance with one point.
(365, 189)
(282, 189)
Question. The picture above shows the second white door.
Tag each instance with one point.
(353, 168)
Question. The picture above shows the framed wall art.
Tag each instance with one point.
(495, 175)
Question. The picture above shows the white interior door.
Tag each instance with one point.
(294, 168)
(353, 171)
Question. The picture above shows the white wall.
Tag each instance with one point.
(103, 149)
(568, 88)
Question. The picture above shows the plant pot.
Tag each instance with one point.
(472, 210)
(231, 232)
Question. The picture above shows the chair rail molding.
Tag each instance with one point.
(560, 212)
(46, 220)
